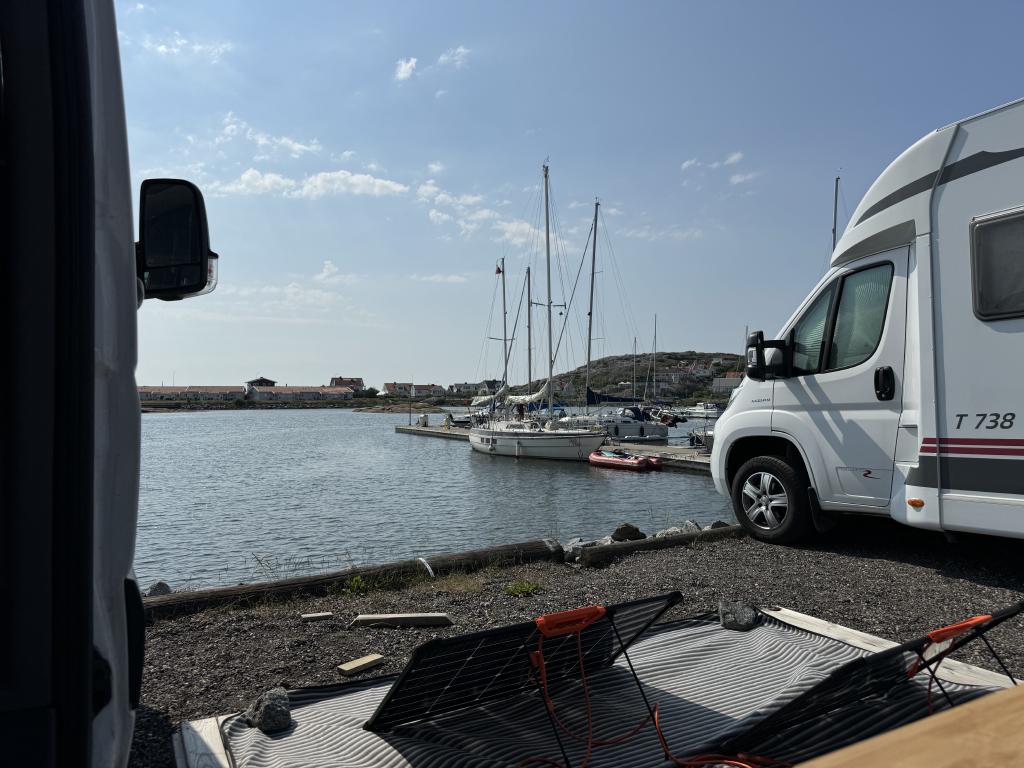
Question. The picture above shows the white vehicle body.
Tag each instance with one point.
(943, 227)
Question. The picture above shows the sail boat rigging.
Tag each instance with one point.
(527, 437)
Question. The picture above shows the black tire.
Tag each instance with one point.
(767, 515)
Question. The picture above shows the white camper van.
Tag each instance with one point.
(897, 387)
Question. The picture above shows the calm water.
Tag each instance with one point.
(234, 496)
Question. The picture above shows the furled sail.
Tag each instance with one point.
(536, 397)
(484, 400)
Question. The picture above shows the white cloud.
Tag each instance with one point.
(693, 161)
(404, 68)
(435, 167)
(252, 182)
(439, 93)
(612, 211)
(428, 190)
(733, 158)
(348, 154)
(331, 275)
(438, 217)
(517, 231)
(439, 278)
(348, 183)
(177, 45)
(443, 198)
(455, 57)
(233, 127)
(742, 178)
(651, 234)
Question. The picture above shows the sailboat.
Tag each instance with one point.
(528, 437)
(627, 424)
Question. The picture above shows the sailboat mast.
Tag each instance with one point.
(504, 324)
(590, 310)
(547, 257)
(634, 369)
(655, 376)
(529, 335)
(835, 213)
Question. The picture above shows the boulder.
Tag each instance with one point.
(627, 532)
(735, 614)
(158, 588)
(271, 712)
(604, 542)
(574, 548)
(690, 527)
(716, 524)
(675, 530)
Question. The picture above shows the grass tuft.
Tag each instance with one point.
(522, 588)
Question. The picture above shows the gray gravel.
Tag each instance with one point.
(870, 575)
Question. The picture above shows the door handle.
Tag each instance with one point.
(885, 383)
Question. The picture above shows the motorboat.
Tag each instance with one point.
(619, 459)
(629, 425)
(707, 411)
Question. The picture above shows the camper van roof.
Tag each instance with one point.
(897, 206)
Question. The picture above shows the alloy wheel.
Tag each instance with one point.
(765, 501)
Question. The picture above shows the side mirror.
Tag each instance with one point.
(173, 257)
(755, 356)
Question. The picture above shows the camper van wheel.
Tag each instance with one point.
(769, 498)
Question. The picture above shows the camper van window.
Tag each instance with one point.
(863, 299)
(997, 264)
(809, 333)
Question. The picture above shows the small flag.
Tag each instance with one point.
(497, 270)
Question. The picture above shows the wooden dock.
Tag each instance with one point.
(680, 457)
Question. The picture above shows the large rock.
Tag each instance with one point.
(271, 712)
(675, 530)
(716, 524)
(158, 588)
(627, 532)
(690, 527)
(735, 614)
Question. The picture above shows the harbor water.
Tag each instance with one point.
(251, 495)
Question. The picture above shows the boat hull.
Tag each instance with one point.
(576, 446)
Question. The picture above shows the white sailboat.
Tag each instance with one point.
(526, 437)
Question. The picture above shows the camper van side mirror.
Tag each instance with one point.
(173, 257)
(755, 356)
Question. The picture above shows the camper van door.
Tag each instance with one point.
(842, 399)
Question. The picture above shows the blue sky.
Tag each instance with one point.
(366, 164)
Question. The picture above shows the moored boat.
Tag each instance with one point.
(618, 459)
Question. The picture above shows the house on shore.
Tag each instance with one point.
(260, 381)
(396, 389)
(162, 393)
(427, 390)
(298, 394)
(465, 388)
(354, 382)
(215, 393)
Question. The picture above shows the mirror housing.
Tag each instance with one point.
(173, 259)
(755, 356)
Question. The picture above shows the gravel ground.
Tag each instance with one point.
(870, 575)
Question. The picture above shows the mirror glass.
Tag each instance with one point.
(173, 237)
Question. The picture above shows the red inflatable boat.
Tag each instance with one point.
(619, 459)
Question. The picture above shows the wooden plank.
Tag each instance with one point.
(361, 664)
(199, 745)
(401, 620)
(317, 616)
(951, 670)
(605, 553)
(983, 732)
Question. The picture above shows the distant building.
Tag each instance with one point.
(488, 387)
(217, 393)
(162, 393)
(261, 382)
(427, 390)
(299, 394)
(465, 388)
(726, 383)
(397, 389)
(355, 383)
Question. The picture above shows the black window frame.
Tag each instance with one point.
(977, 224)
(835, 287)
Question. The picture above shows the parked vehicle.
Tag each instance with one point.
(895, 388)
(75, 276)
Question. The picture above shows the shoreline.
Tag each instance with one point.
(870, 575)
(358, 405)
